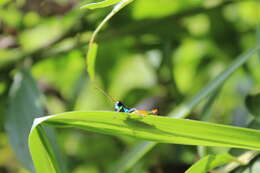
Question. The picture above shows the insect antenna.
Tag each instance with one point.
(105, 94)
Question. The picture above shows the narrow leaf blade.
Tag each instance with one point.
(101, 4)
(153, 128)
(44, 160)
(210, 162)
(91, 59)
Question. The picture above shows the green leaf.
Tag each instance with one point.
(253, 104)
(91, 59)
(185, 109)
(210, 162)
(23, 107)
(91, 56)
(153, 128)
(42, 152)
(101, 4)
(115, 10)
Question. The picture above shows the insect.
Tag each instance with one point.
(120, 107)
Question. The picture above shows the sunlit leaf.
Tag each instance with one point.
(210, 162)
(101, 4)
(115, 10)
(153, 128)
(91, 58)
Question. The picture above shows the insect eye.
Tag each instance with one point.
(119, 104)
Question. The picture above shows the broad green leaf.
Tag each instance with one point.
(101, 4)
(23, 107)
(253, 104)
(153, 128)
(210, 162)
(91, 58)
(186, 108)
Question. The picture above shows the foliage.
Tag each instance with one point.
(147, 53)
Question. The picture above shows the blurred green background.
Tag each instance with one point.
(152, 54)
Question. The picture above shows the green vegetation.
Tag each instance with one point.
(190, 59)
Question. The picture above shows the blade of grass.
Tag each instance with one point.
(210, 162)
(92, 52)
(115, 10)
(101, 4)
(153, 128)
(186, 108)
(91, 59)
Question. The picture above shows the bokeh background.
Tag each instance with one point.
(153, 54)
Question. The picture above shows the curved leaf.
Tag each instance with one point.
(101, 4)
(116, 9)
(153, 128)
(91, 56)
(91, 59)
(210, 162)
(20, 115)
